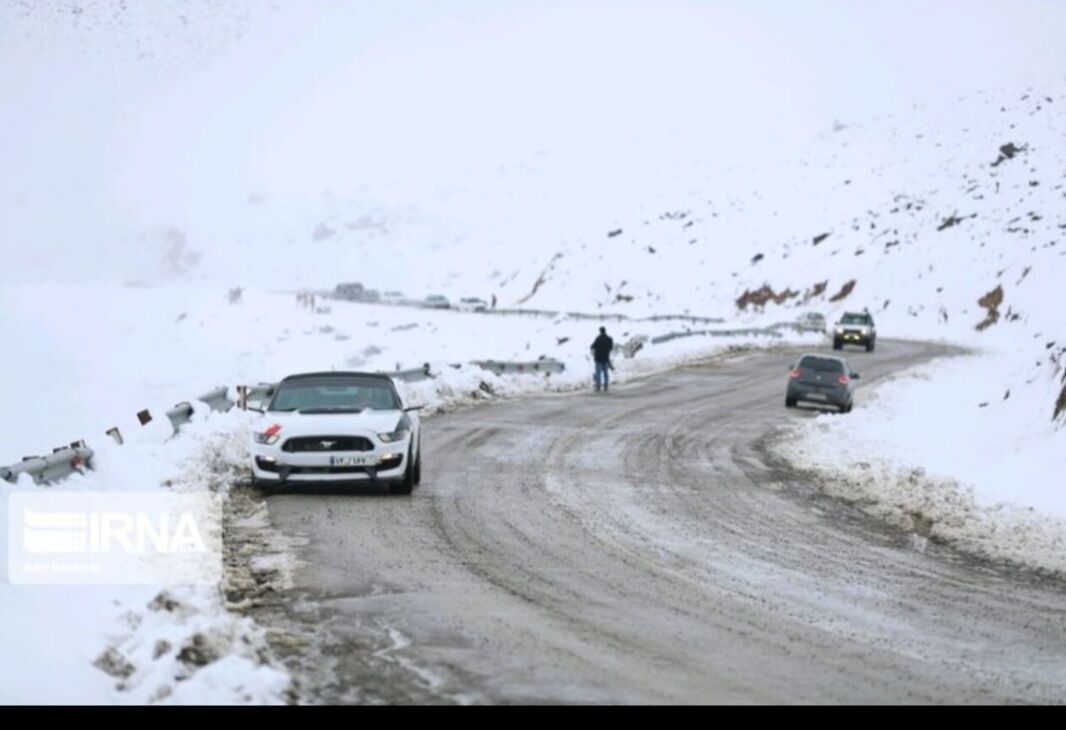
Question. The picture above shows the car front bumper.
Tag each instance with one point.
(852, 337)
(385, 463)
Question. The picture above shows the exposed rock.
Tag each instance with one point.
(990, 302)
(844, 292)
(161, 648)
(760, 297)
(543, 277)
(1008, 152)
(615, 232)
(819, 238)
(201, 650)
(815, 291)
(113, 662)
(164, 601)
(953, 220)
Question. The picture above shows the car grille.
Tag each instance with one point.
(275, 469)
(320, 444)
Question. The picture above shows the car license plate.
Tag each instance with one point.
(349, 460)
(816, 396)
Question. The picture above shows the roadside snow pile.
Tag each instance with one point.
(138, 644)
(929, 452)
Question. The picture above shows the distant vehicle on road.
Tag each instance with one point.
(855, 329)
(392, 297)
(821, 379)
(436, 301)
(351, 291)
(811, 322)
(356, 292)
(473, 304)
(340, 428)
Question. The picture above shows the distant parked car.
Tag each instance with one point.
(436, 301)
(352, 292)
(821, 379)
(473, 304)
(855, 329)
(811, 322)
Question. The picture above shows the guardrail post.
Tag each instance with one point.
(242, 397)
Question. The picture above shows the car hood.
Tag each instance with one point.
(327, 424)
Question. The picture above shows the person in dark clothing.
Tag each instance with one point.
(601, 354)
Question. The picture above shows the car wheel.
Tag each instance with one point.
(418, 470)
(869, 347)
(837, 345)
(790, 402)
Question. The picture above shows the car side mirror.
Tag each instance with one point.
(856, 376)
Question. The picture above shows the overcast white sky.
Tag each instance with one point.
(110, 121)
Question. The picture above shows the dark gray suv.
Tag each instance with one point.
(821, 379)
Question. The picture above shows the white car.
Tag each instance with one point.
(472, 304)
(436, 301)
(337, 428)
(811, 322)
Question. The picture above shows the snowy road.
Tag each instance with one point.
(643, 547)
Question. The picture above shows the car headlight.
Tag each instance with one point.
(402, 429)
(268, 437)
(398, 435)
(840, 330)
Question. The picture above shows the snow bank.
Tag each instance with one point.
(143, 644)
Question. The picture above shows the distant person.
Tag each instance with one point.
(601, 354)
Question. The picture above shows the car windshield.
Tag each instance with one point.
(822, 364)
(331, 396)
(855, 319)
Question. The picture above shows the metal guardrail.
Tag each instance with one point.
(45, 469)
(745, 332)
(217, 400)
(536, 366)
(550, 313)
(603, 317)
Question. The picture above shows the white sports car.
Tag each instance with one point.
(337, 428)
